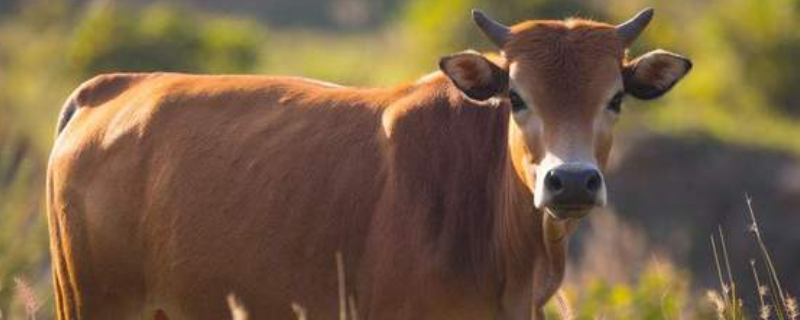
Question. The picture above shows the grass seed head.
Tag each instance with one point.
(791, 308)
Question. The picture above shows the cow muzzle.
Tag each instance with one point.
(571, 190)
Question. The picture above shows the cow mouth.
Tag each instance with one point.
(568, 212)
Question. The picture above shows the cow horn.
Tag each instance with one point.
(496, 31)
(629, 30)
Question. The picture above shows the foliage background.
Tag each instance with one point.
(741, 101)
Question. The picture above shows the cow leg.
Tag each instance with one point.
(79, 299)
(89, 284)
(538, 314)
(67, 306)
(64, 309)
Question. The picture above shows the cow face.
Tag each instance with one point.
(568, 80)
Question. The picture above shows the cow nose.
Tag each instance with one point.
(573, 186)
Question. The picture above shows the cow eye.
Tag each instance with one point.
(615, 105)
(516, 101)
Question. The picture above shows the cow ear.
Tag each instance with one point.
(654, 73)
(474, 74)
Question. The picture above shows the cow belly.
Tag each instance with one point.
(253, 258)
(265, 229)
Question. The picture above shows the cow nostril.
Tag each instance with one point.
(594, 183)
(552, 182)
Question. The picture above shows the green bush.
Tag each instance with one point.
(162, 37)
(660, 293)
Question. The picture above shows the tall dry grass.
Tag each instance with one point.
(26, 295)
(774, 302)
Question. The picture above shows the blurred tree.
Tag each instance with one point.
(162, 37)
(433, 28)
(8, 6)
(765, 36)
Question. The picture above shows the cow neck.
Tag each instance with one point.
(448, 161)
(454, 169)
(536, 244)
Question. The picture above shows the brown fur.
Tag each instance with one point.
(178, 190)
(167, 192)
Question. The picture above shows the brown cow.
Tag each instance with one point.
(168, 192)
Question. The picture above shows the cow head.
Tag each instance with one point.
(567, 82)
